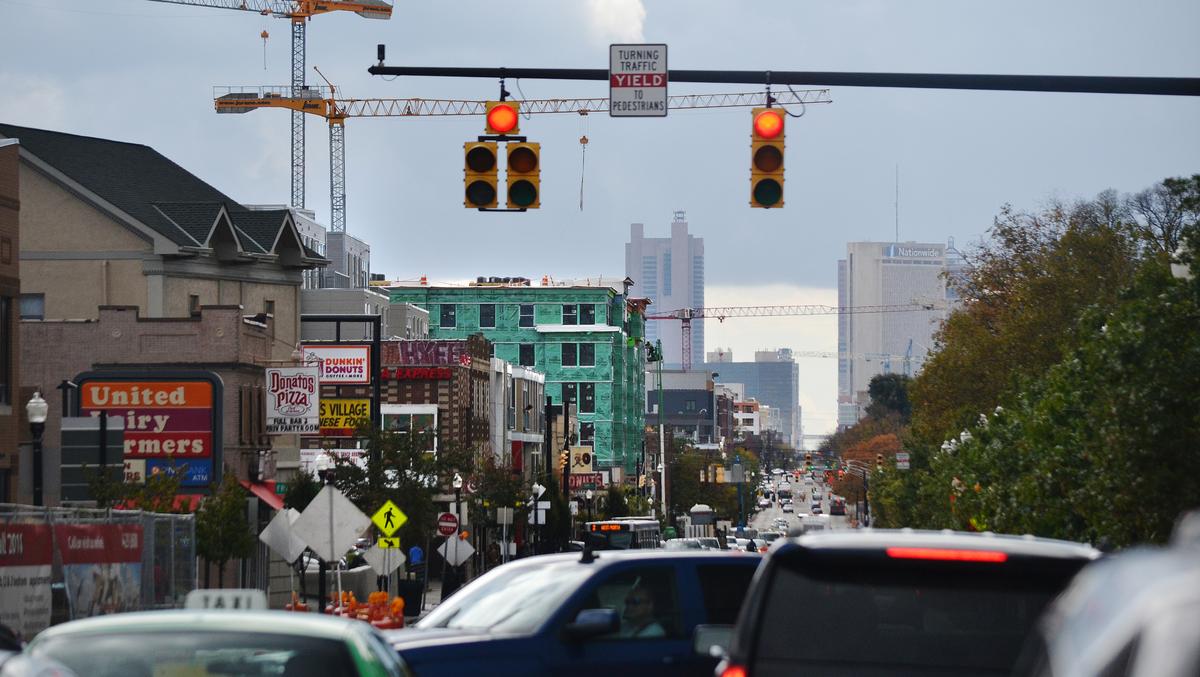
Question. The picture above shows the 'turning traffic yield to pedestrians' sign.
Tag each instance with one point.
(637, 81)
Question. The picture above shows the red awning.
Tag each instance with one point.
(266, 493)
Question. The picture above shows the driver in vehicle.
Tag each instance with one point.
(638, 618)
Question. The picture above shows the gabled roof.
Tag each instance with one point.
(153, 190)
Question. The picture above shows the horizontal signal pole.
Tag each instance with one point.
(1015, 83)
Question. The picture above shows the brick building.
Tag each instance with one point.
(11, 401)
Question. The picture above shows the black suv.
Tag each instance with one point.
(878, 602)
(614, 612)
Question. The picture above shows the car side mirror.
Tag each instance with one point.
(592, 623)
(712, 640)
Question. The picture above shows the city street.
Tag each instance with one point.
(802, 495)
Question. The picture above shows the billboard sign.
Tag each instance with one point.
(292, 400)
(340, 364)
(102, 567)
(340, 417)
(26, 556)
(172, 418)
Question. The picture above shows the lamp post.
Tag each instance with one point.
(457, 483)
(36, 409)
(699, 415)
(589, 495)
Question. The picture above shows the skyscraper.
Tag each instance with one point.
(670, 272)
(773, 378)
(888, 273)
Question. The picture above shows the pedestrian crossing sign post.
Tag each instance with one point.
(388, 543)
(389, 518)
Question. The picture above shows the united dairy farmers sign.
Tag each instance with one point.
(172, 419)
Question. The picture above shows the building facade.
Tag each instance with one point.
(12, 398)
(888, 273)
(587, 341)
(773, 379)
(670, 272)
(689, 404)
(400, 320)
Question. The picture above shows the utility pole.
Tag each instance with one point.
(662, 445)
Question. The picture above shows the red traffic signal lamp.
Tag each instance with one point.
(480, 174)
(766, 158)
(503, 118)
(523, 175)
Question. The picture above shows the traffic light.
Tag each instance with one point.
(766, 158)
(878, 460)
(563, 458)
(524, 175)
(503, 117)
(480, 174)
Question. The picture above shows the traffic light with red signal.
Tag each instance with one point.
(503, 118)
(766, 158)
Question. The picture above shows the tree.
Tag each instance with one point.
(889, 397)
(156, 493)
(222, 532)
(1162, 212)
(615, 504)
(301, 491)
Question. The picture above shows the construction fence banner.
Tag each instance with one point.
(106, 561)
(26, 556)
(292, 401)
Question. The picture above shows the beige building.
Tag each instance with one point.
(110, 224)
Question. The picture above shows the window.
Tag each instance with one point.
(570, 313)
(647, 602)
(587, 354)
(570, 354)
(269, 307)
(724, 588)
(33, 306)
(526, 319)
(587, 398)
(587, 313)
(449, 319)
(569, 392)
(487, 315)
(689, 405)
(193, 304)
(6, 349)
(587, 438)
(525, 358)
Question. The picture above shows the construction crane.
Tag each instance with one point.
(299, 11)
(323, 102)
(686, 315)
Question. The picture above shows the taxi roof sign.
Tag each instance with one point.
(232, 599)
(389, 518)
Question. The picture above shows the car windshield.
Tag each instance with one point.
(196, 652)
(920, 621)
(510, 599)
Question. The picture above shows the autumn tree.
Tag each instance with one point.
(222, 532)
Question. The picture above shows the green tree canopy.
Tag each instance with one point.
(222, 531)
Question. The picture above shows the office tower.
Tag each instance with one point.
(670, 272)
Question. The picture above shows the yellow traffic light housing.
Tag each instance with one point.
(523, 175)
(766, 157)
(563, 459)
(480, 174)
(503, 118)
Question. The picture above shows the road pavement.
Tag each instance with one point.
(802, 495)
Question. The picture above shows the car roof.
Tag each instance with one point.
(189, 620)
(607, 557)
(879, 539)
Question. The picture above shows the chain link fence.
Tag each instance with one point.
(59, 564)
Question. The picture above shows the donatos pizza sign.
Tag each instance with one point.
(170, 423)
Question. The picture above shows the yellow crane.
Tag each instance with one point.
(299, 11)
(323, 102)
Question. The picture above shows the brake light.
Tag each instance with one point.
(946, 555)
(733, 670)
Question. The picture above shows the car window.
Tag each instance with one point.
(930, 620)
(143, 653)
(646, 600)
(384, 653)
(724, 588)
(516, 599)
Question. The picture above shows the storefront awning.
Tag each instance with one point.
(265, 492)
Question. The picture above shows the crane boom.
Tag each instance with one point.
(295, 9)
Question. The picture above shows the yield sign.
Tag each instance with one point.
(389, 518)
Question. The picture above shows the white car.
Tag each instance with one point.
(787, 507)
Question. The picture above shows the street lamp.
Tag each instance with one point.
(457, 483)
(588, 494)
(36, 410)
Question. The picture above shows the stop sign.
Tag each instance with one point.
(447, 524)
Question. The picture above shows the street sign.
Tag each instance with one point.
(389, 518)
(581, 460)
(447, 524)
(281, 538)
(384, 561)
(637, 81)
(456, 551)
(902, 460)
(330, 524)
(590, 480)
(504, 515)
(386, 543)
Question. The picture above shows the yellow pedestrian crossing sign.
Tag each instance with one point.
(389, 543)
(389, 518)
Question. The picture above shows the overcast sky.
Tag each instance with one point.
(141, 71)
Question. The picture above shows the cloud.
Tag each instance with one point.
(617, 20)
